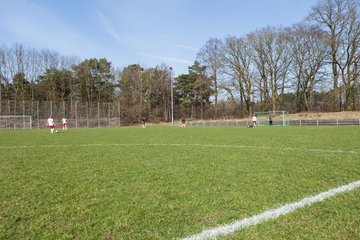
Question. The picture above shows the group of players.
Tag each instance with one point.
(64, 123)
(52, 125)
(254, 121)
(182, 124)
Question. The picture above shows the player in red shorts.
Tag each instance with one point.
(51, 124)
(254, 120)
(64, 123)
(183, 122)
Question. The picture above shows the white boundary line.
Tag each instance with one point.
(182, 145)
(271, 213)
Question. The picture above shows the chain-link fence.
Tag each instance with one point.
(316, 122)
(33, 114)
(78, 114)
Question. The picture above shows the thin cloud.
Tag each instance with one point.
(109, 29)
(178, 60)
(187, 47)
(31, 23)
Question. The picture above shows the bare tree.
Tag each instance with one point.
(160, 94)
(309, 50)
(130, 95)
(340, 18)
(256, 40)
(211, 57)
(33, 69)
(3, 82)
(272, 62)
(238, 67)
(349, 65)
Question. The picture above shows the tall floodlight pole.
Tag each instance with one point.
(172, 97)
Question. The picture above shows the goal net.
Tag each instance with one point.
(15, 122)
(276, 118)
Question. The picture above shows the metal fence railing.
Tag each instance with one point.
(79, 114)
(302, 122)
(325, 122)
(109, 114)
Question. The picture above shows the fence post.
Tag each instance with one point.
(283, 117)
(24, 124)
(109, 113)
(76, 117)
(317, 122)
(98, 113)
(119, 111)
(38, 114)
(87, 114)
(9, 107)
(337, 122)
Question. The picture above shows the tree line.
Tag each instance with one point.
(310, 66)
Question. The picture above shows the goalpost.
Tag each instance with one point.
(279, 118)
(15, 122)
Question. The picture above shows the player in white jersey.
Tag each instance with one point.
(51, 124)
(254, 120)
(64, 123)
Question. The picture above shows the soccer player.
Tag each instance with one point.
(183, 122)
(51, 124)
(64, 123)
(270, 120)
(250, 124)
(254, 120)
(143, 122)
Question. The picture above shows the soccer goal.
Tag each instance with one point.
(15, 122)
(275, 118)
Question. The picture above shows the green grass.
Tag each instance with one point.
(170, 182)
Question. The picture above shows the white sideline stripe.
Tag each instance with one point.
(271, 213)
(182, 145)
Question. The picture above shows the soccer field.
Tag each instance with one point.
(171, 183)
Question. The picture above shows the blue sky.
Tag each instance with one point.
(145, 32)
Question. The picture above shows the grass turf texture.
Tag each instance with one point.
(170, 182)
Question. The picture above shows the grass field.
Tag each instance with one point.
(172, 183)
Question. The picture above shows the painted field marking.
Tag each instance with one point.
(182, 145)
(271, 213)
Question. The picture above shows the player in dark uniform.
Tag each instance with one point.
(183, 122)
(143, 122)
